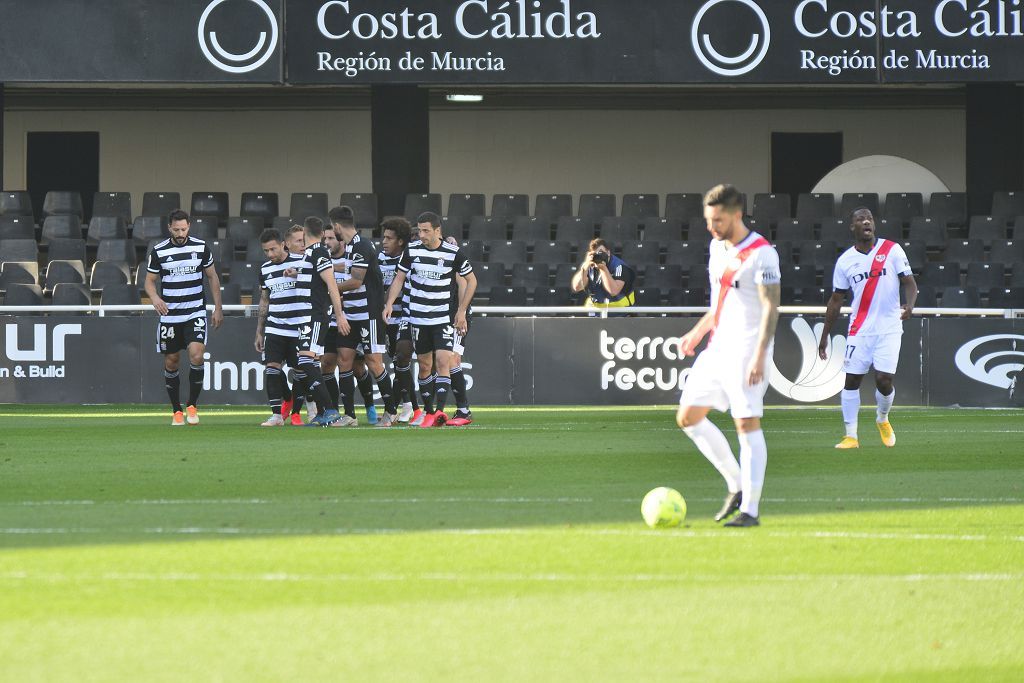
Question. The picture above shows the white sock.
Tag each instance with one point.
(753, 461)
(850, 400)
(884, 404)
(710, 441)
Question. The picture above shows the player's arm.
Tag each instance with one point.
(580, 277)
(218, 311)
(835, 302)
(261, 319)
(394, 291)
(356, 276)
(150, 286)
(909, 295)
(769, 295)
(691, 340)
(467, 288)
(327, 275)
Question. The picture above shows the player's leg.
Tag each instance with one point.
(346, 382)
(328, 370)
(423, 340)
(170, 343)
(365, 383)
(859, 351)
(273, 378)
(403, 368)
(374, 359)
(442, 383)
(196, 376)
(886, 359)
(746, 403)
(309, 348)
(463, 415)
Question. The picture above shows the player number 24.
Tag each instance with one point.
(167, 333)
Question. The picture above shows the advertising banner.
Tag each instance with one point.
(976, 362)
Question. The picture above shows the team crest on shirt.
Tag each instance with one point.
(880, 257)
(440, 261)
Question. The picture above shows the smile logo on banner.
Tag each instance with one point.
(996, 359)
(747, 58)
(817, 380)
(230, 61)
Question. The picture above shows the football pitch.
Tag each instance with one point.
(512, 550)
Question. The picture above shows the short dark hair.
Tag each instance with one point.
(343, 216)
(598, 242)
(399, 226)
(429, 217)
(314, 226)
(270, 235)
(725, 196)
(854, 212)
(177, 215)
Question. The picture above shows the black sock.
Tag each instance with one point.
(441, 386)
(366, 388)
(387, 394)
(315, 389)
(405, 386)
(398, 386)
(459, 389)
(275, 384)
(427, 393)
(196, 373)
(347, 384)
(286, 391)
(173, 384)
(331, 382)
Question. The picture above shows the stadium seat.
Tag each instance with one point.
(551, 253)
(641, 205)
(698, 296)
(63, 271)
(960, 297)
(120, 295)
(241, 229)
(916, 254)
(213, 204)
(116, 250)
(254, 251)
(454, 226)
(927, 231)
(507, 296)
(790, 295)
(511, 206)
(306, 204)
(67, 250)
(686, 254)
(145, 229)
(889, 230)
(63, 203)
(564, 273)
(553, 296)
(106, 228)
(837, 230)
(489, 276)
(230, 294)
(647, 296)
(488, 228)
(815, 208)
(70, 294)
(415, 204)
(663, 230)
(1007, 205)
(113, 205)
(467, 205)
(1008, 251)
(574, 230)
(530, 229)
(794, 230)
(770, 208)
(1006, 297)
(985, 275)
(1017, 275)
(203, 228)
(818, 254)
(17, 228)
(785, 252)
(507, 252)
(19, 250)
(18, 273)
(531, 275)
(948, 207)
(283, 223)
(902, 206)
(61, 226)
(926, 297)
(637, 254)
(941, 274)
(853, 200)
(24, 295)
(616, 229)
(965, 251)
(223, 253)
(552, 207)
(108, 273)
(986, 229)
(364, 206)
(683, 206)
(594, 207)
(160, 203)
(473, 250)
(800, 278)
(259, 205)
(246, 276)
(663, 277)
(16, 204)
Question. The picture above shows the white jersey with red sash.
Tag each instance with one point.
(735, 273)
(874, 279)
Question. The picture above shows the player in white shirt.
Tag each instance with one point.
(873, 270)
(731, 373)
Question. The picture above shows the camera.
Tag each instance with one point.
(600, 257)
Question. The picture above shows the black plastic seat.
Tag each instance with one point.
(770, 208)
(854, 200)
(213, 204)
(507, 296)
(263, 205)
(928, 231)
(552, 207)
(641, 205)
(17, 203)
(663, 230)
(1007, 205)
(160, 203)
(467, 205)
(553, 296)
(837, 230)
(941, 274)
(948, 207)
(64, 271)
(364, 207)
(916, 254)
(113, 205)
(246, 276)
(230, 294)
(473, 250)
(1008, 251)
(108, 273)
(116, 250)
(686, 254)
(17, 228)
(595, 207)
(903, 206)
(985, 275)
(18, 273)
(106, 228)
(697, 231)
(816, 207)
(24, 295)
(120, 295)
(71, 294)
(489, 276)
(1006, 297)
(306, 204)
(619, 229)
(145, 229)
(203, 227)
(960, 297)
(507, 252)
(531, 275)
(415, 204)
(61, 226)
(67, 250)
(637, 254)
(683, 206)
(965, 251)
(531, 229)
(241, 229)
(488, 228)
(818, 254)
(63, 203)
(510, 205)
(663, 276)
(19, 250)
(551, 253)
(799, 277)
(794, 230)
(989, 230)
(574, 230)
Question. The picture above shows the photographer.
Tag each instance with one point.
(605, 277)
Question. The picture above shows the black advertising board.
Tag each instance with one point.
(975, 362)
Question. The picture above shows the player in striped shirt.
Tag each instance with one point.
(873, 270)
(396, 233)
(437, 308)
(178, 263)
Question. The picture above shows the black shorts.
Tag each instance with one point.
(430, 338)
(312, 336)
(175, 337)
(395, 333)
(367, 336)
(281, 350)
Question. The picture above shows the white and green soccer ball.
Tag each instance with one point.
(663, 507)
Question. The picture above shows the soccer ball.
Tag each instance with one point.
(663, 507)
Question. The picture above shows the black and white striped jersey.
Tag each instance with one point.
(339, 277)
(288, 308)
(181, 277)
(367, 300)
(315, 260)
(433, 286)
(388, 267)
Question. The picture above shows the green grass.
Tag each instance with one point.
(512, 550)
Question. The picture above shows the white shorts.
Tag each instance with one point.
(719, 381)
(880, 350)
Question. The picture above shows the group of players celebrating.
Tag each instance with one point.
(331, 304)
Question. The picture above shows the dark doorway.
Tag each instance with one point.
(63, 161)
(800, 160)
